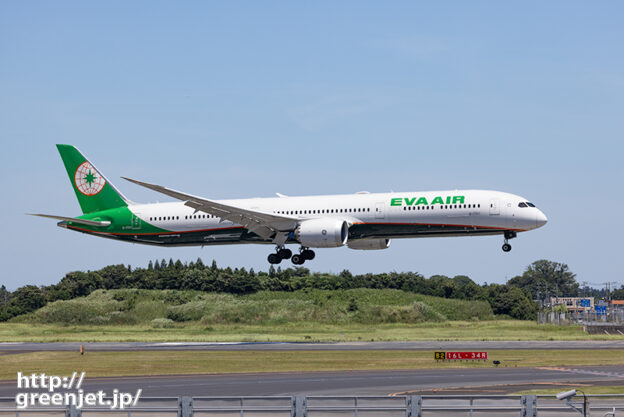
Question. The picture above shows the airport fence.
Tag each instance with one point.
(358, 406)
(610, 315)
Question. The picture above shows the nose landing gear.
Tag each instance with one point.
(508, 235)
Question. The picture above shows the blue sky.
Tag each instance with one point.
(239, 99)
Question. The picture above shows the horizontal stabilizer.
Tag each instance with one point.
(74, 220)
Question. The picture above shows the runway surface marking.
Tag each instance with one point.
(583, 371)
(294, 346)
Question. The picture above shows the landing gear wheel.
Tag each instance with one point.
(284, 253)
(274, 258)
(308, 254)
(297, 259)
(506, 247)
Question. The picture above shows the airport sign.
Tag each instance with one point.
(441, 356)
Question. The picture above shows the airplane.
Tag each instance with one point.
(362, 221)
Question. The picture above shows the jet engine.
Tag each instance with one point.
(369, 244)
(323, 233)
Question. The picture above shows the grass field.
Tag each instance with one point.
(176, 362)
(306, 315)
(299, 332)
(165, 308)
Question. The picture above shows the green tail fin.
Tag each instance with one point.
(94, 191)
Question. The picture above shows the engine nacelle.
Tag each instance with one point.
(323, 233)
(369, 244)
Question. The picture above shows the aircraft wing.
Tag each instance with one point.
(265, 225)
(97, 223)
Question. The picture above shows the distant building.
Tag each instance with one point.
(574, 303)
(618, 304)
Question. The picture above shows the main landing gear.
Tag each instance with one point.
(508, 235)
(304, 255)
(281, 253)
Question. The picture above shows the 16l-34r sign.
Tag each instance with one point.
(460, 356)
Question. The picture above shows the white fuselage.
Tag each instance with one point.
(380, 215)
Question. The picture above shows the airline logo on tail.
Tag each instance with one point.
(88, 181)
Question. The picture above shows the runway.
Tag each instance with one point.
(344, 383)
(338, 383)
(289, 346)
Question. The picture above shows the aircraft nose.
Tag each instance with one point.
(540, 219)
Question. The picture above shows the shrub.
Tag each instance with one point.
(162, 323)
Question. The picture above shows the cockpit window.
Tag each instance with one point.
(530, 204)
(522, 205)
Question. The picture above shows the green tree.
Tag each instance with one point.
(199, 264)
(4, 296)
(513, 302)
(543, 278)
(240, 284)
(114, 276)
(24, 300)
(76, 284)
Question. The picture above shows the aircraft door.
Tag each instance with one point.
(494, 207)
(379, 210)
(136, 221)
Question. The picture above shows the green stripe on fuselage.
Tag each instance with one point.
(123, 221)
